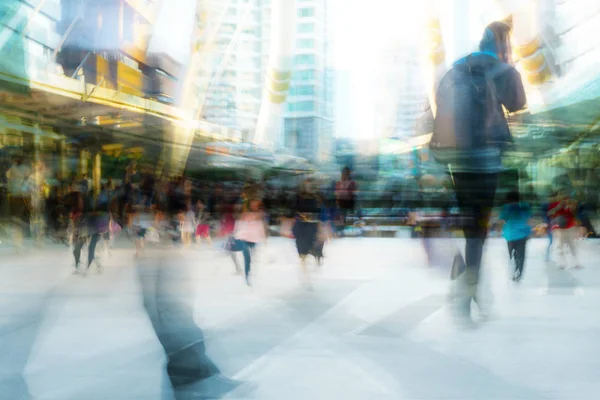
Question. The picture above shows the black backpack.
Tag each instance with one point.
(469, 112)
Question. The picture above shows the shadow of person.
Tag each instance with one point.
(168, 296)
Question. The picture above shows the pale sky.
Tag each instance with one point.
(173, 29)
(362, 30)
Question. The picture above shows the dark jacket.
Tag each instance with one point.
(492, 128)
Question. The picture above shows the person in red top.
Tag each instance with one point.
(564, 226)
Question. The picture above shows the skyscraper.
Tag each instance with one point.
(308, 119)
(235, 64)
(29, 36)
(402, 89)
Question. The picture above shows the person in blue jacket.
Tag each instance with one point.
(515, 219)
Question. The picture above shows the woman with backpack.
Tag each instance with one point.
(514, 218)
(470, 134)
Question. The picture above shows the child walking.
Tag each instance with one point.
(515, 217)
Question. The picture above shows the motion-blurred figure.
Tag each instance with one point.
(17, 177)
(202, 223)
(470, 134)
(306, 227)
(250, 230)
(564, 227)
(88, 222)
(514, 217)
(345, 194)
(168, 291)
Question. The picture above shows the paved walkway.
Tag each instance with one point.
(376, 326)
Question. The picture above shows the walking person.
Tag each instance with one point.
(17, 176)
(470, 134)
(86, 230)
(250, 230)
(515, 219)
(345, 194)
(187, 220)
(564, 227)
(202, 223)
(168, 287)
(307, 211)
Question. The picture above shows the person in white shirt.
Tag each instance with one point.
(188, 225)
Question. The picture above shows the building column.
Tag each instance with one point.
(83, 162)
(37, 145)
(526, 35)
(435, 53)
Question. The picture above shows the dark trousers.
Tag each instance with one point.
(169, 297)
(549, 248)
(246, 249)
(79, 242)
(516, 250)
(475, 193)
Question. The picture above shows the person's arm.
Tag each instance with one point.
(552, 211)
(511, 91)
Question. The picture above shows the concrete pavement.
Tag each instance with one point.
(376, 325)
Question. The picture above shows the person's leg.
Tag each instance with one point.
(318, 251)
(247, 252)
(512, 255)
(549, 248)
(236, 246)
(559, 240)
(78, 245)
(304, 270)
(520, 248)
(571, 239)
(92, 250)
(139, 242)
(475, 193)
(245, 246)
(168, 297)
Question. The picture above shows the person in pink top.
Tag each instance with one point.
(250, 229)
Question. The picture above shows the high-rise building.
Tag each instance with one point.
(308, 118)
(238, 66)
(28, 35)
(235, 63)
(402, 90)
